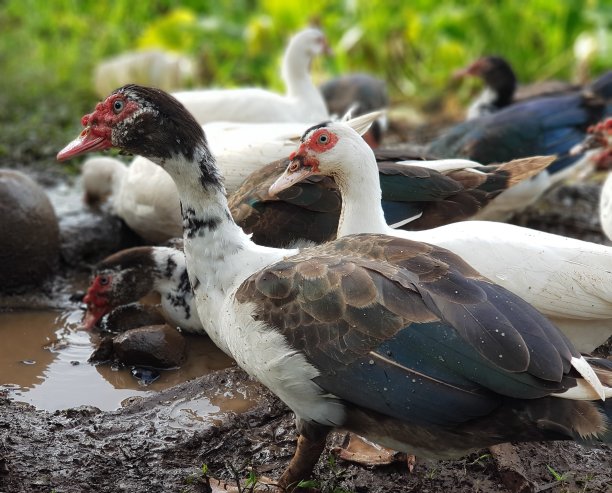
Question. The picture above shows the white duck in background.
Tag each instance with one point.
(605, 207)
(158, 68)
(101, 178)
(568, 280)
(302, 103)
(602, 135)
(380, 335)
(144, 195)
(141, 194)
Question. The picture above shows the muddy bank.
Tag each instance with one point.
(150, 447)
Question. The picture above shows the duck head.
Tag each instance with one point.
(491, 69)
(599, 136)
(322, 150)
(496, 73)
(137, 120)
(121, 278)
(308, 43)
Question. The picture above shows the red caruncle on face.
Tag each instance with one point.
(96, 293)
(107, 113)
(320, 141)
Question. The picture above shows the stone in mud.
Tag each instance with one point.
(29, 233)
(158, 346)
(88, 235)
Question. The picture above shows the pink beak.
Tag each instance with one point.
(85, 142)
(294, 173)
(93, 316)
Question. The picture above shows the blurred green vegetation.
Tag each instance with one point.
(48, 50)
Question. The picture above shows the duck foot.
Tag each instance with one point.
(511, 469)
(310, 445)
(410, 462)
(359, 450)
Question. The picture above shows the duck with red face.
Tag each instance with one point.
(97, 300)
(130, 274)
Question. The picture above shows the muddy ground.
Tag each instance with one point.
(143, 448)
(140, 449)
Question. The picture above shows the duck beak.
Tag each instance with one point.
(93, 316)
(97, 307)
(460, 74)
(471, 70)
(84, 143)
(295, 173)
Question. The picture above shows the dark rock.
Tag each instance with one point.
(29, 233)
(90, 235)
(157, 346)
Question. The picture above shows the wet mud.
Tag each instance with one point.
(153, 445)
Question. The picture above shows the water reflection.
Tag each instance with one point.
(60, 376)
(24, 338)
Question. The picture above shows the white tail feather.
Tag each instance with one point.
(590, 386)
(442, 165)
(401, 223)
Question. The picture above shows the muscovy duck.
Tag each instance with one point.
(399, 341)
(568, 280)
(361, 94)
(544, 126)
(145, 196)
(415, 195)
(501, 87)
(302, 103)
(130, 274)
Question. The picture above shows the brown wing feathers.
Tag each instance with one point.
(366, 291)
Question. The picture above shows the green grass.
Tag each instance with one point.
(561, 477)
(48, 50)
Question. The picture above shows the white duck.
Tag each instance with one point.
(568, 280)
(155, 67)
(602, 134)
(141, 194)
(605, 207)
(302, 103)
(145, 196)
(327, 329)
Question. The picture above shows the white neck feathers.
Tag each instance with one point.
(359, 185)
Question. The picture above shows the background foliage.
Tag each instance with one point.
(48, 49)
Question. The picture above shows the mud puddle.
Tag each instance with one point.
(43, 361)
(44, 351)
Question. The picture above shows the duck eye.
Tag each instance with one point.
(117, 106)
(323, 139)
(104, 280)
